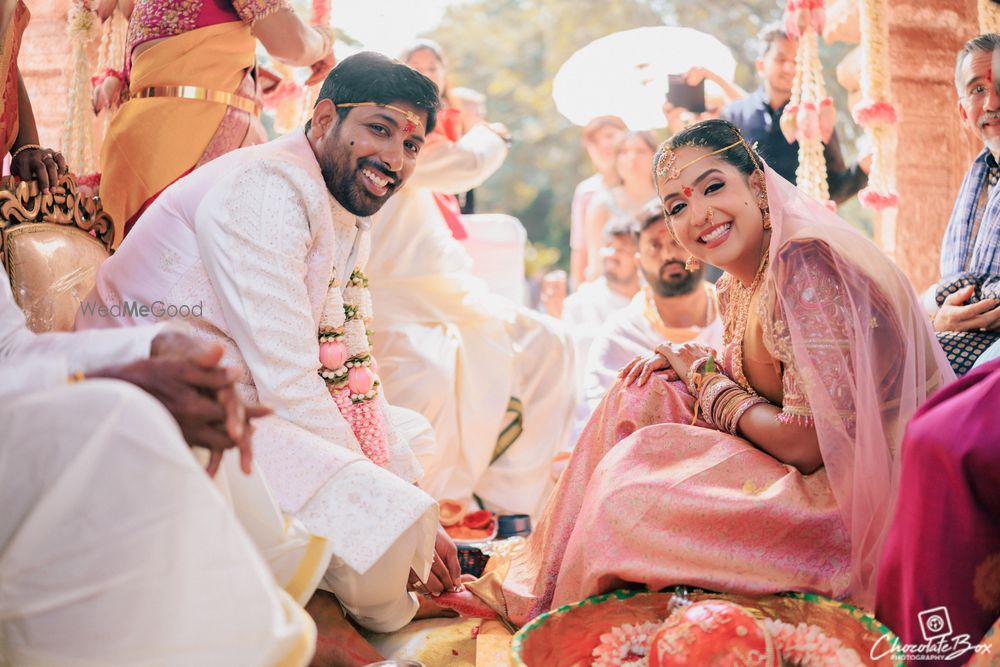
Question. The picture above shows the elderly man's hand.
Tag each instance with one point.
(39, 164)
(185, 376)
(956, 315)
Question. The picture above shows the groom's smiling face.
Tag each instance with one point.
(367, 155)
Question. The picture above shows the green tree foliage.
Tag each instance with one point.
(511, 50)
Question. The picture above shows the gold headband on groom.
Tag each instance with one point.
(412, 118)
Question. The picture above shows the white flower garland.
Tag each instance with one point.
(346, 363)
(875, 111)
(345, 316)
(808, 117)
(77, 148)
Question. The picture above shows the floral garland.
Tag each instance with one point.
(347, 365)
(809, 115)
(806, 645)
(801, 645)
(625, 645)
(875, 110)
(82, 26)
(109, 79)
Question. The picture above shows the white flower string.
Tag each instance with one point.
(77, 148)
(809, 115)
(875, 111)
(347, 365)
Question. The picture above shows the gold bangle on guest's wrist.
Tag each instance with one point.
(26, 147)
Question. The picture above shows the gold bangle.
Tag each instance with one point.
(77, 376)
(26, 147)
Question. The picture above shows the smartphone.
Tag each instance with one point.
(681, 94)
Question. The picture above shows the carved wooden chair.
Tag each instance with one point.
(51, 246)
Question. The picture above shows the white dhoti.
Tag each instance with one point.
(498, 390)
(115, 548)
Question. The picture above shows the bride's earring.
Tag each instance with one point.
(692, 264)
(765, 212)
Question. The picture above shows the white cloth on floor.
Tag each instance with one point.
(457, 354)
(585, 311)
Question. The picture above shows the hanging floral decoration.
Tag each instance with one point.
(82, 28)
(347, 365)
(875, 111)
(108, 81)
(809, 115)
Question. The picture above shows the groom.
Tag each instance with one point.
(269, 240)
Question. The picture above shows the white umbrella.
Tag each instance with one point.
(625, 74)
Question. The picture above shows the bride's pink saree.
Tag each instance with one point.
(648, 499)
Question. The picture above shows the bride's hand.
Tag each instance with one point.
(641, 368)
(681, 357)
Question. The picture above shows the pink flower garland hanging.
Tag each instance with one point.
(809, 115)
(875, 112)
(347, 365)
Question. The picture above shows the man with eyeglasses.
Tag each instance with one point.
(970, 251)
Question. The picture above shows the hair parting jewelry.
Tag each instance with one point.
(665, 162)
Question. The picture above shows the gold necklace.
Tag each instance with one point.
(737, 317)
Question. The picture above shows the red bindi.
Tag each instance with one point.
(409, 127)
(687, 190)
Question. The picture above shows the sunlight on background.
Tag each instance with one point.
(388, 25)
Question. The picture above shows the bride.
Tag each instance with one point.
(767, 466)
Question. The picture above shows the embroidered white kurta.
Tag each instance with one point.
(454, 352)
(251, 240)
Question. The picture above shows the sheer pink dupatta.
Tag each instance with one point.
(848, 321)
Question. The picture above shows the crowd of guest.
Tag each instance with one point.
(261, 482)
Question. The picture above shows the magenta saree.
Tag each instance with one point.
(944, 546)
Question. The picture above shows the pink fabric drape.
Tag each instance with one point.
(647, 499)
(865, 354)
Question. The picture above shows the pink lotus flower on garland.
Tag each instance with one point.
(878, 201)
(870, 113)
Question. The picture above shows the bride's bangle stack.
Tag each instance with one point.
(722, 401)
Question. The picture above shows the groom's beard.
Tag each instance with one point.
(344, 180)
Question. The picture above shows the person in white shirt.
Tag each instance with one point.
(601, 137)
(115, 548)
(675, 305)
(588, 308)
(270, 242)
